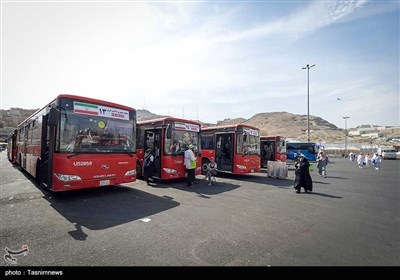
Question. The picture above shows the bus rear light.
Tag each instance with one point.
(241, 167)
(170, 171)
(131, 172)
(67, 178)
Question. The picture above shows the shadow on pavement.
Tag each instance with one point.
(105, 207)
(263, 179)
(325, 195)
(319, 182)
(201, 186)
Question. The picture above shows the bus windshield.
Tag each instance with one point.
(309, 147)
(248, 144)
(389, 150)
(281, 149)
(179, 141)
(95, 134)
(294, 149)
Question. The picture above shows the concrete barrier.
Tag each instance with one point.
(277, 169)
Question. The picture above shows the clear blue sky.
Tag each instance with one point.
(207, 60)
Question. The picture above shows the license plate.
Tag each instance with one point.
(252, 170)
(104, 182)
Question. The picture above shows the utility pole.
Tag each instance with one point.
(308, 99)
(345, 135)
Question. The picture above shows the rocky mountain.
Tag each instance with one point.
(143, 115)
(9, 119)
(292, 126)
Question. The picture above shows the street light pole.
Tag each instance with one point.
(345, 135)
(308, 99)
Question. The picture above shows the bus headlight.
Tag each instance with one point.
(241, 167)
(170, 171)
(67, 178)
(131, 172)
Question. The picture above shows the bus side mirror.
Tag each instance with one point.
(169, 131)
(54, 116)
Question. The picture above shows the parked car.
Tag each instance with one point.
(387, 153)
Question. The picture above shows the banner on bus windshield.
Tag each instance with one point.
(251, 131)
(99, 110)
(187, 126)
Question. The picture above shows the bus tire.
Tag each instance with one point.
(204, 166)
(19, 159)
(139, 173)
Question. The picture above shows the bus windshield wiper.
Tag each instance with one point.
(128, 153)
(72, 155)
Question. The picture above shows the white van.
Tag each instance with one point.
(387, 153)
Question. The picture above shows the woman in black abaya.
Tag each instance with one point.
(303, 178)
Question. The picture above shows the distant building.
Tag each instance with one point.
(15, 112)
(354, 133)
(371, 135)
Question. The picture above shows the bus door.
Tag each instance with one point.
(224, 151)
(44, 174)
(23, 148)
(45, 169)
(272, 151)
(12, 148)
(153, 142)
(265, 152)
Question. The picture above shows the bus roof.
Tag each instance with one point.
(88, 99)
(164, 119)
(77, 97)
(301, 142)
(270, 136)
(228, 126)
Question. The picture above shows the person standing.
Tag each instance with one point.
(360, 160)
(190, 165)
(367, 160)
(148, 166)
(376, 160)
(303, 178)
(322, 163)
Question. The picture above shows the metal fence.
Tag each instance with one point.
(338, 150)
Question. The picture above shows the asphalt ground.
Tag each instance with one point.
(350, 219)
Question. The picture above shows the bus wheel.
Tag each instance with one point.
(139, 173)
(204, 166)
(19, 162)
(38, 177)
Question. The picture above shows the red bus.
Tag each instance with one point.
(12, 146)
(273, 148)
(273, 155)
(236, 148)
(76, 142)
(168, 137)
